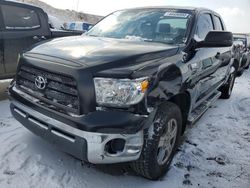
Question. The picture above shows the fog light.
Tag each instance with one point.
(115, 146)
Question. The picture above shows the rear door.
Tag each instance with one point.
(1, 56)
(1, 46)
(223, 54)
(22, 28)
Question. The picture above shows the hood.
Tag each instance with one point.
(93, 51)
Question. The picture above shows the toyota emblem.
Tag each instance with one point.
(40, 82)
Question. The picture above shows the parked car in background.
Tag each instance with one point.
(78, 26)
(126, 90)
(22, 25)
(242, 51)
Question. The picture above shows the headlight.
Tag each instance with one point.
(120, 92)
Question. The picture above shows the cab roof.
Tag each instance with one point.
(172, 7)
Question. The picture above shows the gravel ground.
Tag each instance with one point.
(215, 153)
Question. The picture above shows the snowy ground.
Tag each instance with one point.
(215, 153)
(3, 85)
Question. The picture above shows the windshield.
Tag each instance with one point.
(150, 25)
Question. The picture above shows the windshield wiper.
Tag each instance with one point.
(159, 42)
(91, 35)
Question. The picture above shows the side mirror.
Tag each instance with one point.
(216, 39)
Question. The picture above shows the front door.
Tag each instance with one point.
(209, 59)
(22, 28)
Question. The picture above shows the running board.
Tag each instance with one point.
(202, 108)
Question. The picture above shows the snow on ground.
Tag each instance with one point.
(3, 85)
(215, 153)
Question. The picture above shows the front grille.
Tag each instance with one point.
(59, 94)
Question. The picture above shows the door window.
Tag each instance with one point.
(218, 24)
(19, 18)
(204, 25)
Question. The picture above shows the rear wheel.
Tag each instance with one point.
(160, 142)
(248, 64)
(226, 90)
(239, 73)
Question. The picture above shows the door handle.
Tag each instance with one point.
(217, 56)
(194, 67)
(39, 38)
(35, 38)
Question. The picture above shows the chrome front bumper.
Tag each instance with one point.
(96, 142)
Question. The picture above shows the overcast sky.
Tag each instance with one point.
(236, 13)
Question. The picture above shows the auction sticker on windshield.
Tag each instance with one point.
(176, 14)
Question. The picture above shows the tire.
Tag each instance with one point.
(247, 67)
(226, 90)
(239, 73)
(150, 165)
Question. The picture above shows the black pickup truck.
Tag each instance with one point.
(126, 90)
(22, 25)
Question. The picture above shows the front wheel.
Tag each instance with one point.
(226, 90)
(161, 140)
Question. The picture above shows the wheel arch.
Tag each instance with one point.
(168, 87)
(183, 101)
(167, 83)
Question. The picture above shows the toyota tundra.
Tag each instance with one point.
(125, 91)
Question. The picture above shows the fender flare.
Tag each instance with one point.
(167, 82)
